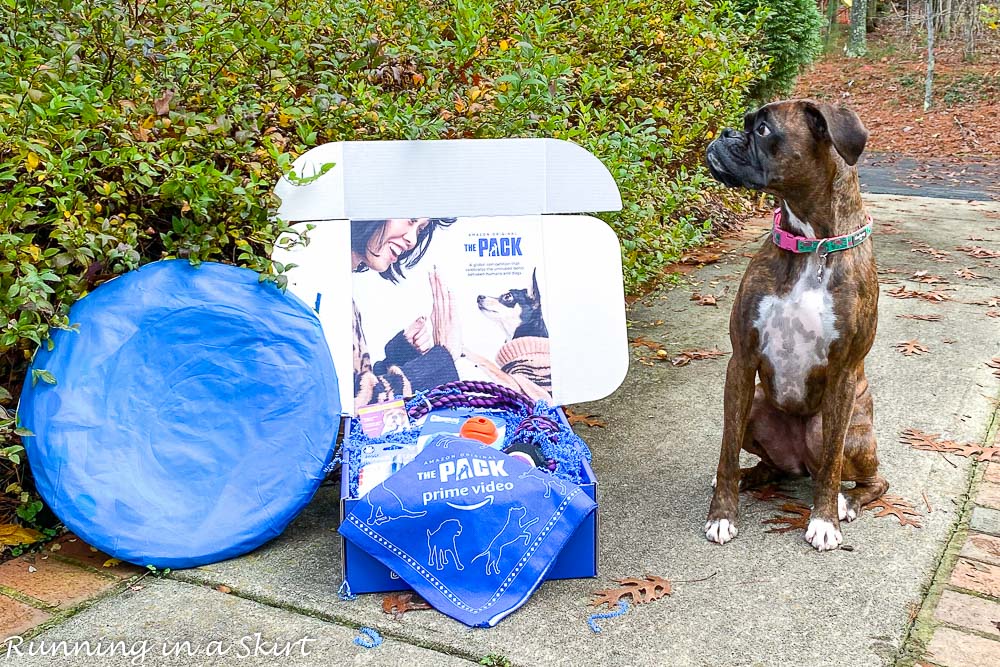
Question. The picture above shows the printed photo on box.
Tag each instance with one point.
(444, 299)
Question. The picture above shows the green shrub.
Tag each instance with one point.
(791, 39)
(134, 131)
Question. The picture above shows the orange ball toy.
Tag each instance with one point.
(479, 428)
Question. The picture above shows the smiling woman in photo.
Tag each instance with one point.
(423, 354)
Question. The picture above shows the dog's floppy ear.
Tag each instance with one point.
(841, 126)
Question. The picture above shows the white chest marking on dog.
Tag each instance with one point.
(796, 331)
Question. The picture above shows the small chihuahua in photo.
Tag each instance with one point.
(518, 311)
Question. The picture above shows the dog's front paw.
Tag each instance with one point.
(823, 535)
(844, 510)
(720, 530)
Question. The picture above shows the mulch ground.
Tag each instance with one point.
(887, 90)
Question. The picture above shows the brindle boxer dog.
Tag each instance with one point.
(802, 321)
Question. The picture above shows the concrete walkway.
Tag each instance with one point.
(764, 599)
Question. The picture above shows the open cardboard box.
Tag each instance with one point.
(506, 202)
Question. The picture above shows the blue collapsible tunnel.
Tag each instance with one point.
(193, 413)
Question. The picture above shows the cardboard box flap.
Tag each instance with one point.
(464, 177)
(495, 238)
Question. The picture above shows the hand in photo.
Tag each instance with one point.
(447, 331)
(419, 335)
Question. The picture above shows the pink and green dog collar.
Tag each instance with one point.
(802, 244)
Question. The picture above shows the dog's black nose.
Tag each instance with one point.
(480, 299)
(730, 133)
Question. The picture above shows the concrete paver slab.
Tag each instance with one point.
(173, 623)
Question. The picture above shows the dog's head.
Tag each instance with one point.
(517, 311)
(785, 145)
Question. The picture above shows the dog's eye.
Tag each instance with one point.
(763, 130)
(507, 298)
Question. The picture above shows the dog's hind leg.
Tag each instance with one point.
(759, 475)
(860, 458)
(863, 493)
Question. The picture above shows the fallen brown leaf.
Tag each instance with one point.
(933, 296)
(643, 342)
(647, 589)
(936, 255)
(991, 302)
(398, 604)
(911, 347)
(993, 313)
(684, 357)
(994, 363)
(922, 318)
(897, 507)
(222, 588)
(798, 518)
(704, 299)
(931, 442)
(701, 256)
(978, 252)
(967, 274)
(928, 279)
(579, 418)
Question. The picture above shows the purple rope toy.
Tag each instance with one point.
(469, 394)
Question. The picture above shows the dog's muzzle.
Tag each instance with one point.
(730, 160)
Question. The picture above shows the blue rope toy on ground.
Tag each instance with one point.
(371, 639)
(592, 621)
(344, 592)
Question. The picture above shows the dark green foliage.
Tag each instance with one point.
(134, 130)
(791, 37)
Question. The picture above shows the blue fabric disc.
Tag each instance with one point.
(193, 412)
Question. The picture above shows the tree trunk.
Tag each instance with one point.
(831, 17)
(856, 40)
(929, 85)
(872, 15)
(945, 23)
(971, 11)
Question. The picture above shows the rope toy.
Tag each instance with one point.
(371, 639)
(344, 592)
(335, 461)
(592, 621)
(468, 394)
